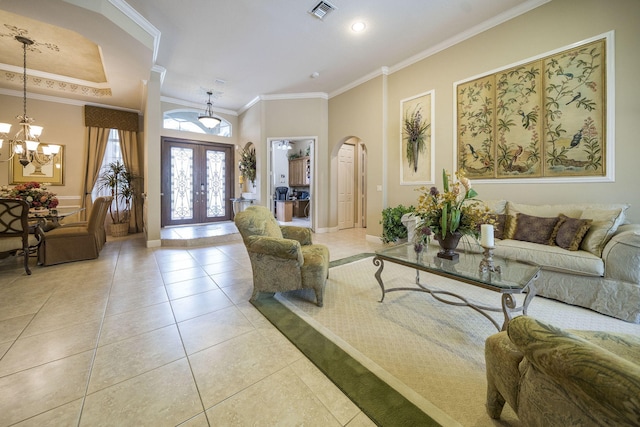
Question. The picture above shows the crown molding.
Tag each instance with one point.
(67, 101)
(471, 32)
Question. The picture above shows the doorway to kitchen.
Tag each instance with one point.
(197, 182)
(291, 183)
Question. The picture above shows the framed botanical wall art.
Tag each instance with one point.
(51, 173)
(416, 141)
(543, 118)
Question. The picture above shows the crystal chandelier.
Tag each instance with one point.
(26, 142)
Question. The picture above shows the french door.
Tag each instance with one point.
(197, 182)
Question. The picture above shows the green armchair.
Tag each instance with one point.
(283, 258)
(552, 377)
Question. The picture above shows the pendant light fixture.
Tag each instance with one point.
(284, 145)
(26, 141)
(207, 119)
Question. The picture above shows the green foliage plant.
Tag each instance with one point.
(392, 227)
(120, 182)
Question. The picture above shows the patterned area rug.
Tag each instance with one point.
(431, 352)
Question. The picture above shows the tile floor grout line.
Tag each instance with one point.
(97, 342)
(184, 347)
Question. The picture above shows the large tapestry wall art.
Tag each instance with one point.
(417, 146)
(545, 118)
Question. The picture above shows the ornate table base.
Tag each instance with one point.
(508, 307)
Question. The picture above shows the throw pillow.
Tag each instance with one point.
(534, 229)
(569, 232)
(499, 221)
(604, 224)
(510, 226)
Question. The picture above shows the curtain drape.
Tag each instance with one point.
(97, 139)
(132, 159)
(99, 122)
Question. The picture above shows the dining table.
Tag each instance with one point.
(49, 219)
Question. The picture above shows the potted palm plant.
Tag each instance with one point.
(120, 183)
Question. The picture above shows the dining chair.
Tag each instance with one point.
(15, 236)
(79, 242)
(102, 230)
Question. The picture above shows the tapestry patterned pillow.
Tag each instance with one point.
(569, 232)
(534, 229)
(509, 226)
(499, 222)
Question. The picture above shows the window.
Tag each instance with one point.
(187, 121)
(113, 153)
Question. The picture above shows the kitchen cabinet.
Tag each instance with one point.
(299, 172)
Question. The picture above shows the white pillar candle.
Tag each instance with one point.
(486, 236)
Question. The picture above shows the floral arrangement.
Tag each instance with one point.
(36, 195)
(415, 132)
(247, 164)
(453, 210)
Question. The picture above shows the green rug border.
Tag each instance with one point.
(378, 400)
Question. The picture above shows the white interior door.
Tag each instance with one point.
(345, 186)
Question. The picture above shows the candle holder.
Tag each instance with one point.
(487, 265)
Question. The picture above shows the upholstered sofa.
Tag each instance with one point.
(553, 377)
(599, 270)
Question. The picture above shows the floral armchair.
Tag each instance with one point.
(283, 258)
(552, 377)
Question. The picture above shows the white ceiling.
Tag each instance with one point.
(242, 49)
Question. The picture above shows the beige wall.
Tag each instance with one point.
(554, 25)
(63, 124)
(291, 118)
(360, 114)
(250, 129)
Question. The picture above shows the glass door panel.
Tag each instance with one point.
(181, 192)
(195, 185)
(216, 194)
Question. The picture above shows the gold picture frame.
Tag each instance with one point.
(51, 173)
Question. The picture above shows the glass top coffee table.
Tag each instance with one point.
(514, 277)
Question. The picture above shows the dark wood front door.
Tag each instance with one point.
(197, 182)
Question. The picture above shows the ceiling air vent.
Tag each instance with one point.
(321, 9)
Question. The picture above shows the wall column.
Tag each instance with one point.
(152, 177)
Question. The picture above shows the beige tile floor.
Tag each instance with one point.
(157, 337)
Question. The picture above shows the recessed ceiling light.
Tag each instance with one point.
(358, 26)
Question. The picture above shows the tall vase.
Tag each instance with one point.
(448, 244)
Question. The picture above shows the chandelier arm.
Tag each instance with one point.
(24, 137)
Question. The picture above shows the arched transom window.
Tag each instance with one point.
(187, 121)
